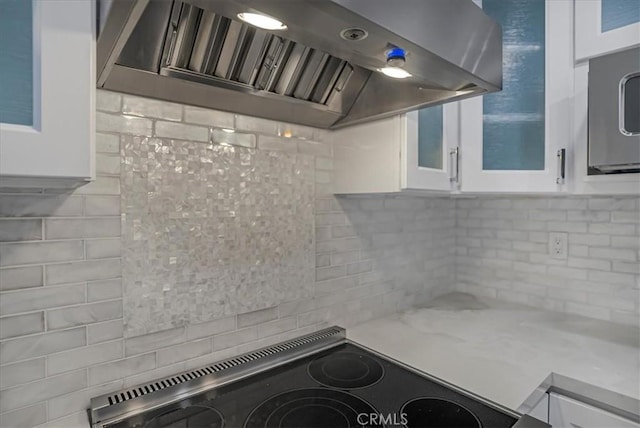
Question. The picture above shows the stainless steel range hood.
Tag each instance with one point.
(322, 70)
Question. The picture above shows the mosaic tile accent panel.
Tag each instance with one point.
(212, 230)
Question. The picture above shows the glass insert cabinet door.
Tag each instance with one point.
(16, 62)
(605, 26)
(430, 135)
(509, 139)
(47, 92)
(618, 13)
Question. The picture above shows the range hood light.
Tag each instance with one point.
(262, 21)
(228, 130)
(395, 72)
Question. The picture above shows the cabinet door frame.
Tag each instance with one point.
(591, 41)
(558, 116)
(416, 177)
(60, 144)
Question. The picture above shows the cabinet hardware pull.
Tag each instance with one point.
(454, 155)
(562, 160)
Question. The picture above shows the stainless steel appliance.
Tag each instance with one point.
(327, 64)
(318, 380)
(614, 112)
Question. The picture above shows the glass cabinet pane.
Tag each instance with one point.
(618, 14)
(430, 142)
(514, 118)
(16, 62)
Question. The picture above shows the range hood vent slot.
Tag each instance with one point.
(213, 46)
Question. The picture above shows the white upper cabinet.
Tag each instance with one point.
(606, 26)
(409, 152)
(510, 140)
(47, 92)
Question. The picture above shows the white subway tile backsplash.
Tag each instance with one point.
(23, 253)
(268, 142)
(82, 228)
(21, 325)
(373, 254)
(235, 338)
(153, 341)
(602, 254)
(102, 185)
(108, 372)
(22, 372)
(104, 290)
(255, 124)
(41, 344)
(25, 417)
(218, 136)
(40, 390)
(315, 149)
(206, 117)
(181, 131)
(40, 206)
(612, 229)
(257, 317)
(103, 248)
(33, 299)
(84, 357)
(210, 328)
(74, 420)
(145, 107)
(108, 164)
(84, 314)
(102, 205)
(272, 328)
(105, 331)
(108, 101)
(613, 254)
(184, 351)
(82, 271)
(78, 401)
(20, 230)
(107, 143)
(123, 124)
(21, 277)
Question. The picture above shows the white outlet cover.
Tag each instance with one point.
(558, 245)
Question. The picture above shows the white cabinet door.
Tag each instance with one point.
(566, 412)
(386, 156)
(367, 157)
(509, 141)
(428, 159)
(55, 145)
(605, 26)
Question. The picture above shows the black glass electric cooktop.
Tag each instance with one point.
(346, 386)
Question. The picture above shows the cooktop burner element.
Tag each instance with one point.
(346, 370)
(429, 412)
(196, 416)
(312, 408)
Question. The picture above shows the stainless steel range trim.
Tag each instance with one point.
(613, 402)
(111, 408)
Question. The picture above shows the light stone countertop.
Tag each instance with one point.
(503, 351)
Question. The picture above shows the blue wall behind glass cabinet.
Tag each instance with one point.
(430, 144)
(514, 119)
(16, 62)
(618, 13)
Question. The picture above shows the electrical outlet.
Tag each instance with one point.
(558, 245)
